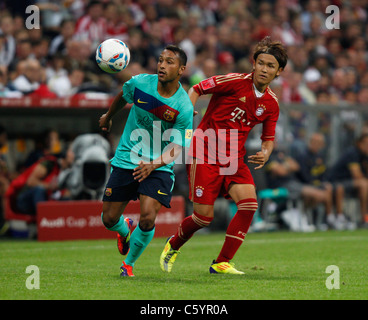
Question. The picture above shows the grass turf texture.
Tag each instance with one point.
(280, 265)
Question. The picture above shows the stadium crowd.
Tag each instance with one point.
(325, 65)
(328, 66)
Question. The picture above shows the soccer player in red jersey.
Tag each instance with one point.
(238, 103)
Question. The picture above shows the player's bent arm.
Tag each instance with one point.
(267, 148)
(143, 170)
(261, 157)
(117, 104)
(193, 96)
(173, 151)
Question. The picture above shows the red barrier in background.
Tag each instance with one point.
(73, 220)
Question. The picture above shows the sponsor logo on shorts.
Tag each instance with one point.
(159, 192)
(108, 192)
(199, 191)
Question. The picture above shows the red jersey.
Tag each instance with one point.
(17, 185)
(233, 111)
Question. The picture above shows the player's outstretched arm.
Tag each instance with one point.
(118, 103)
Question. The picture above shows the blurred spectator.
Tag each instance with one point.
(136, 47)
(67, 85)
(92, 26)
(363, 96)
(30, 79)
(351, 171)
(313, 171)
(79, 57)
(46, 143)
(312, 11)
(23, 52)
(309, 86)
(35, 184)
(116, 27)
(194, 40)
(289, 81)
(52, 13)
(5, 178)
(40, 51)
(58, 43)
(282, 172)
(207, 70)
(4, 90)
(7, 40)
(203, 9)
(226, 62)
(56, 67)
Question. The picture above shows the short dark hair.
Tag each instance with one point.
(180, 52)
(275, 48)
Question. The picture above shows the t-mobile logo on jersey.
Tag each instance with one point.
(237, 114)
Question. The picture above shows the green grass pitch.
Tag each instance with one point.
(280, 265)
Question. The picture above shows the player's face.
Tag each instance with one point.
(266, 68)
(168, 67)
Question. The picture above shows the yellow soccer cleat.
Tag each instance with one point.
(168, 257)
(224, 268)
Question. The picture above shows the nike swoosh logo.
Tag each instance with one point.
(159, 192)
(139, 101)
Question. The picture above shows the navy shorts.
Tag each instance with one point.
(122, 187)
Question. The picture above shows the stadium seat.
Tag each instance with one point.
(278, 195)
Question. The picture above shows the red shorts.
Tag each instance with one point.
(206, 182)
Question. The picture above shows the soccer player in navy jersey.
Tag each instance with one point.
(142, 166)
(239, 102)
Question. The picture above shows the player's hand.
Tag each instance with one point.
(105, 123)
(195, 113)
(258, 158)
(143, 171)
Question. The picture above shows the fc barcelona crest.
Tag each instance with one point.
(108, 192)
(169, 115)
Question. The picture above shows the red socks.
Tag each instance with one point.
(187, 228)
(235, 232)
(237, 229)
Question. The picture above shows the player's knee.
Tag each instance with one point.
(146, 222)
(108, 220)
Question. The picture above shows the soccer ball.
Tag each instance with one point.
(112, 55)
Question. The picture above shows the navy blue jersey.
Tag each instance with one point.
(312, 168)
(352, 157)
(273, 181)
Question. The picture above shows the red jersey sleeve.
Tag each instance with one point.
(269, 124)
(215, 84)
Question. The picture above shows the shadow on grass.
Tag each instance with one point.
(202, 278)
